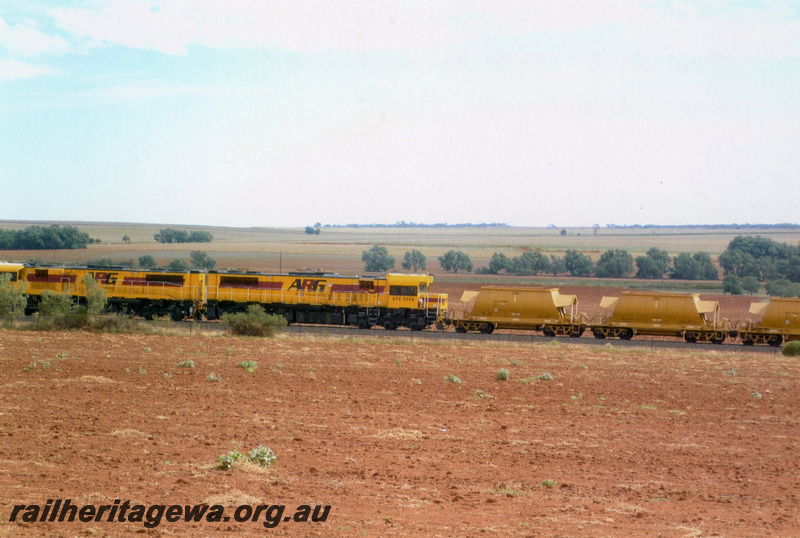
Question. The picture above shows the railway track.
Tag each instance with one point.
(316, 330)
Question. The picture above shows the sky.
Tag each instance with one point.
(273, 113)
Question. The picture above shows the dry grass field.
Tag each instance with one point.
(340, 249)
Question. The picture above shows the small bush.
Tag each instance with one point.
(227, 461)
(250, 366)
(501, 375)
(113, 324)
(255, 322)
(545, 377)
(213, 378)
(188, 363)
(792, 349)
(263, 456)
(452, 378)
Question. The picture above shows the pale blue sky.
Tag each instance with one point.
(262, 113)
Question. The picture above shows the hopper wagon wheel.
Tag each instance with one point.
(460, 328)
(548, 330)
(775, 341)
(486, 328)
(626, 334)
(717, 339)
(599, 334)
(747, 340)
(690, 337)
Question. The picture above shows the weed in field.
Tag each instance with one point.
(263, 456)
(142, 371)
(548, 483)
(732, 371)
(147, 350)
(227, 461)
(501, 375)
(757, 395)
(250, 365)
(545, 377)
(213, 378)
(515, 362)
(479, 394)
(512, 489)
(648, 406)
(452, 378)
(188, 363)
(579, 396)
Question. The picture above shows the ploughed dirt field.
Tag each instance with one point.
(578, 441)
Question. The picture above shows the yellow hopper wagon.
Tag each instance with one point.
(780, 320)
(661, 314)
(391, 300)
(535, 309)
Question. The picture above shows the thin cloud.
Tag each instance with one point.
(11, 69)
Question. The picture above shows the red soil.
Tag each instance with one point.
(618, 443)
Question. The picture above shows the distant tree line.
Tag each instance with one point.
(52, 237)
(613, 263)
(171, 235)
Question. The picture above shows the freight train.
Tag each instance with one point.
(680, 315)
(402, 300)
(390, 301)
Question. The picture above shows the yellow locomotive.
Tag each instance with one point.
(391, 300)
(145, 293)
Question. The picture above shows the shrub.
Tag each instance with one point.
(501, 375)
(188, 363)
(255, 322)
(227, 461)
(112, 324)
(250, 366)
(12, 298)
(263, 456)
(213, 378)
(792, 349)
(452, 378)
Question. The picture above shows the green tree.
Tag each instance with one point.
(654, 264)
(13, 298)
(377, 259)
(311, 230)
(557, 265)
(616, 263)
(751, 285)
(697, 266)
(578, 264)
(414, 260)
(782, 288)
(147, 262)
(201, 260)
(529, 263)
(455, 260)
(732, 284)
(499, 262)
(126, 239)
(96, 298)
(179, 266)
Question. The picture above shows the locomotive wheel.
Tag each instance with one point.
(775, 341)
(389, 325)
(598, 334)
